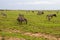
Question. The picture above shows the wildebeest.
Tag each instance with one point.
(49, 16)
(40, 12)
(33, 11)
(21, 19)
(3, 14)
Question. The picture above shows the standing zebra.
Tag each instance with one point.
(50, 16)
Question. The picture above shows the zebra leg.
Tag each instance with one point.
(49, 18)
(26, 21)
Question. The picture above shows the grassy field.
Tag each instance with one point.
(36, 23)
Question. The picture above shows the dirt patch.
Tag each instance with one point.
(16, 38)
(47, 36)
(0, 38)
(11, 38)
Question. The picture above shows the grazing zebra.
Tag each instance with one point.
(49, 16)
(21, 19)
(40, 12)
(3, 14)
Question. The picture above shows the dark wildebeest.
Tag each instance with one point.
(3, 14)
(49, 16)
(33, 11)
(21, 19)
(40, 12)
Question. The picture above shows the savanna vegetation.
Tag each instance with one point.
(36, 23)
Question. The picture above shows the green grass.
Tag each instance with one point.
(36, 23)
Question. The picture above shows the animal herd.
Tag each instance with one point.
(21, 18)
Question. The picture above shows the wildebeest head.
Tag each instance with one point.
(55, 15)
(33, 11)
(42, 12)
